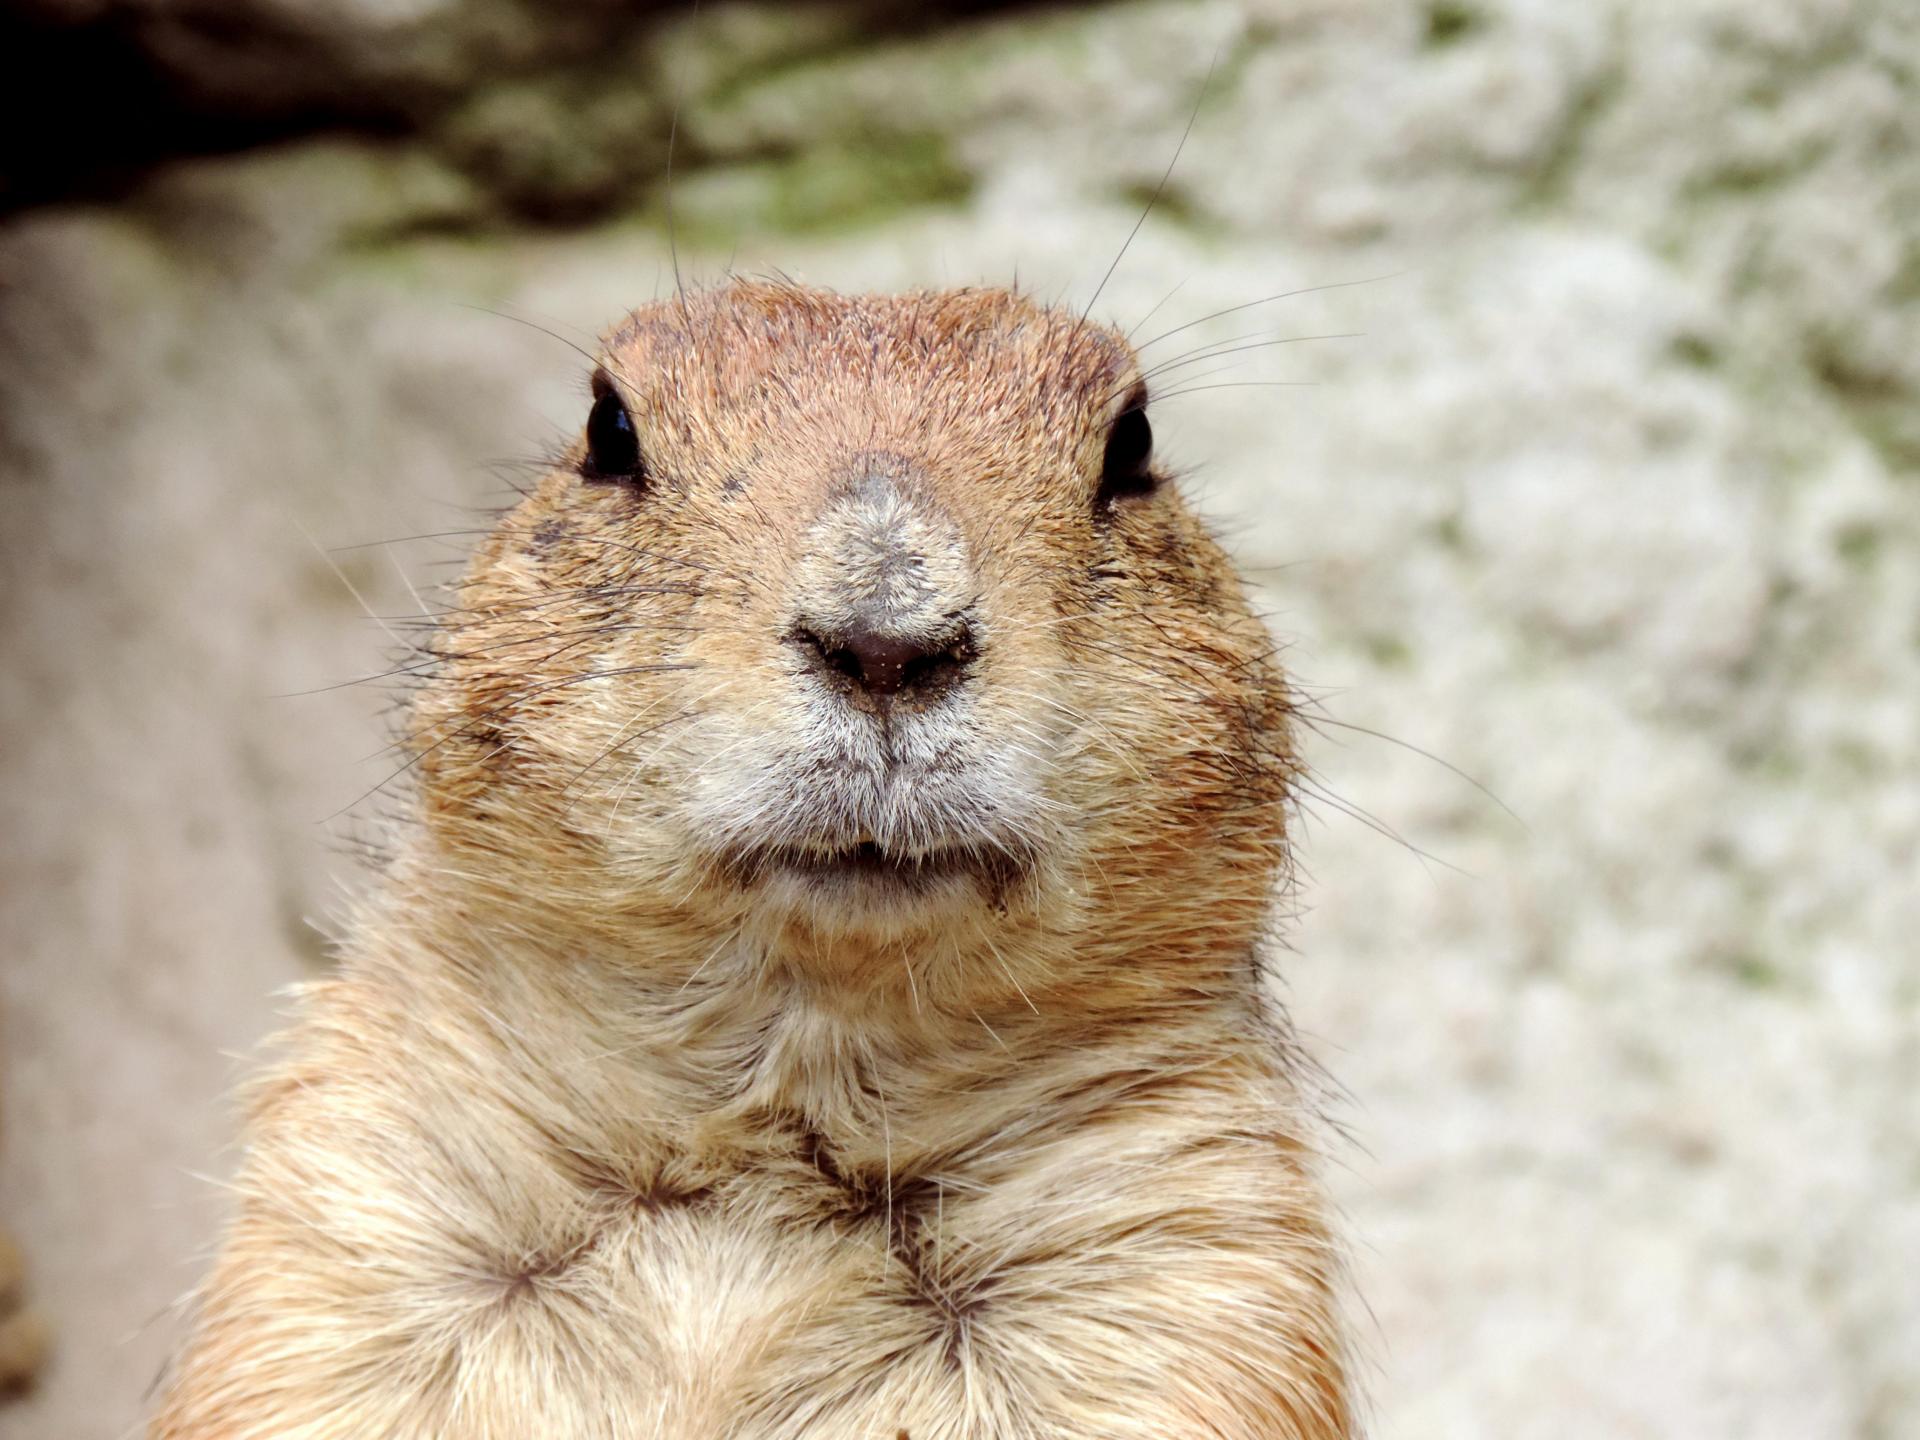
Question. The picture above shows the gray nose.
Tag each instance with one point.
(887, 666)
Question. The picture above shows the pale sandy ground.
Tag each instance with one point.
(1614, 507)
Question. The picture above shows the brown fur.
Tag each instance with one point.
(610, 1127)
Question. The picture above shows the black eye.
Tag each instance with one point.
(1126, 470)
(613, 450)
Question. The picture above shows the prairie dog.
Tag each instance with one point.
(819, 994)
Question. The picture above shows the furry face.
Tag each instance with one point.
(847, 619)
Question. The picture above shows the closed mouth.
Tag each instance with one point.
(868, 865)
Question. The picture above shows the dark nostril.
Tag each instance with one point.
(886, 665)
(881, 663)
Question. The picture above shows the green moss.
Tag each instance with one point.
(1448, 23)
(1173, 204)
(1881, 407)
(1389, 652)
(475, 262)
(1739, 179)
(1780, 766)
(1904, 288)
(1858, 759)
(841, 186)
(560, 148)
(734, 52)
(1450, 531)
(1696, 352)
(1894, 431)
(1552, 178)
(1753, 971)
(1858, 544)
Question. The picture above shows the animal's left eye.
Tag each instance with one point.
(1127, 469)
(613, 449)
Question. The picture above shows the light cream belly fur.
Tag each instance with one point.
(954, 1317)
(422, 1256)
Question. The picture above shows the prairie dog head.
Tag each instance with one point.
(854, 623)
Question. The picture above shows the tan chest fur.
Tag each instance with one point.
(588, 1256)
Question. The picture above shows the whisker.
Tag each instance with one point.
(587, 355)
(1315, 721)
(1154, 198)
(1269, 300)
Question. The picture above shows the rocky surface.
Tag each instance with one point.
(1611, 501)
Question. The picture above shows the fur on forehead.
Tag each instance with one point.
(751, 346)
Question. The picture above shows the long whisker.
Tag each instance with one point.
(352, 589)
(1315, 721)
(588, 355)
(1269, 300)
(1154, 198)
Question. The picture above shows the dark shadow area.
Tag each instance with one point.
(91, 102)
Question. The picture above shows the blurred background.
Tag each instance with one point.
(1612, 501)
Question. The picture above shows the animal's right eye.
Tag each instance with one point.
(1127, 468)
(613, 449)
